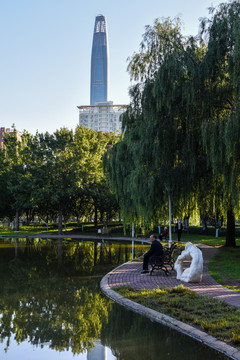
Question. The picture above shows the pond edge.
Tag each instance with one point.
(166, 320)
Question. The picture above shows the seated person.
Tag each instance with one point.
(156, 249)
(164, 234)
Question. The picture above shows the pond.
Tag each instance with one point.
(51, 306)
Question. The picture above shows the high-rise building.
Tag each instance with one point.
(99, 62)
(5, 132)
(101, 115)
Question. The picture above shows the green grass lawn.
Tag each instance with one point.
(210, 240)
(36, 229)
(207, 314)
(225, 267)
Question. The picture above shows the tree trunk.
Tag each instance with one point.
(204, 224)
(170, 218)
(230, 235)
(60, 218)
(17, 220)
(28, 217)
(95, 216)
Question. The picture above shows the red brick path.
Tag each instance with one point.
(130, 274)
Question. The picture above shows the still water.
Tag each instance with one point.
(51, 306)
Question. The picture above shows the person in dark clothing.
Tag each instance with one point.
(156, 249)
(179, 229)
(164, 234)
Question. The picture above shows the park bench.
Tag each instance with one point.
(161, 262)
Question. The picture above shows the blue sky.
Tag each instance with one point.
(46, 53)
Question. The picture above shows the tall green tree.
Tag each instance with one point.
(221, 130)
(157, 149)
(95, 185)
(19, 179)
(6, 210)
(53, 170)
(65, 166)
(178, 131)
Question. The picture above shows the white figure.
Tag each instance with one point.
(194, 272)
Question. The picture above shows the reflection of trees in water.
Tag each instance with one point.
(56, 314)
(74, 256)
(45, 299)
(49, 294)
(131, 336)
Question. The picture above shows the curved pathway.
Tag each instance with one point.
(129, 274)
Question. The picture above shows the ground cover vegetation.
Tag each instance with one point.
(181, 132)
(225, 268)
(207, 314)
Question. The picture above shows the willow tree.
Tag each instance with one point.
(221, 131)
(158, 149)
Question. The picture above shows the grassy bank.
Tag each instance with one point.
(225, 268)
(207, 314)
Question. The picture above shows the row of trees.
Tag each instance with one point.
(181, 132)
(56, 175)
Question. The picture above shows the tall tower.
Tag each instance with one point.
(99, 62)
(102, 114)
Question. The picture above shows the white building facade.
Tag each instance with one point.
(103, 116)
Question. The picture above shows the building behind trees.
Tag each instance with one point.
(101, 115)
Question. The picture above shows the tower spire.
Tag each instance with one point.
(99, 62)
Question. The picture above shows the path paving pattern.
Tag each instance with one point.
(129, 274)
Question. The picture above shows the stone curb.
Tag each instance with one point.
(166, 320)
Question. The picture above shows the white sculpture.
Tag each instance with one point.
(194, 272)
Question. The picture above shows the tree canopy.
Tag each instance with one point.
(181, 130)
(55, 175)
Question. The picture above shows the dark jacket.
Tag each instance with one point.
(176, 227)
(156, 249)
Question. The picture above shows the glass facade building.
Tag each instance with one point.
(99, 62)
(102, 114)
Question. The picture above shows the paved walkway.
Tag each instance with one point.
(130, 274)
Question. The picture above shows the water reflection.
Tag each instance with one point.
(51, 305)
(131, 336)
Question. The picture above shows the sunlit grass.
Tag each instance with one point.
(225, 267)
(207, 314)
(35, 229)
